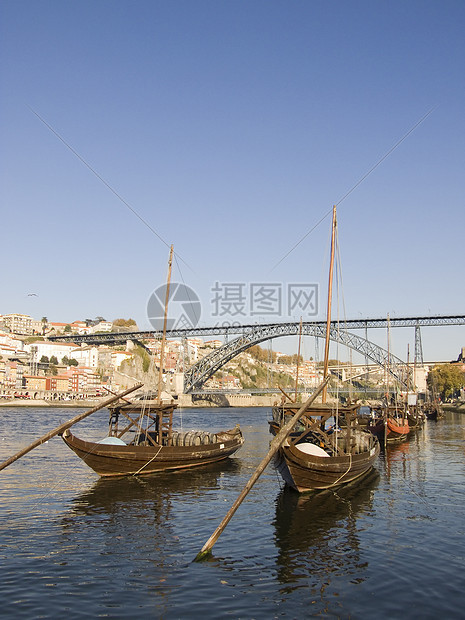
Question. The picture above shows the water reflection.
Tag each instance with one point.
(316, 536)
(138, 517)
(115, 495)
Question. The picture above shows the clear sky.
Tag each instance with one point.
(230, 128)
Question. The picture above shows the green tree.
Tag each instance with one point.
(53, 360)
(67, 329)
(44, 359)
(44, 321)
(445, 379)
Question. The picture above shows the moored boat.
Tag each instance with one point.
(147, 441)
(319, 452)
(390, 425)
(150, 452)
(318, 459)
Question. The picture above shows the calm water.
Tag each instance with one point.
(72, 545)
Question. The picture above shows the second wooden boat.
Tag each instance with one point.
(318, 458)
(321, 453)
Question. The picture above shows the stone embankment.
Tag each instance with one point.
(184, 400)
(456, 407)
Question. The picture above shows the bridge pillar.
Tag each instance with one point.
(418, 347)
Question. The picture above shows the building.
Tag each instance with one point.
(118, 357)
(49, 349)
(35, 382)
(84, 380)
(103, 326)
(87, 356)
(11, 374)
(18, 323)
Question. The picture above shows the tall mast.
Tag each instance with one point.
(298, 360)
(328, 311)
(408, 376)
(165, 319)
(388, 365)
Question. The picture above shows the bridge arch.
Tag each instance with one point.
(196, 375)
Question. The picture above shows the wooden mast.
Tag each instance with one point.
(163, 340)
(328, 312)
(297, 363)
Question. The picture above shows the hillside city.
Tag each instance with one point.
(30, 364)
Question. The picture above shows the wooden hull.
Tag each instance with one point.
(123, 460)
(306, 472)
(396, 431)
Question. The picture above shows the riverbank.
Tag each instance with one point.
(185, 401)
(31, 402)
(457, 407)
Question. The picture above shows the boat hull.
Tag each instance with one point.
(396, 431)
(123, 460)
(306, 472)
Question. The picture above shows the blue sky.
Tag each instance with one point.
(231, 128)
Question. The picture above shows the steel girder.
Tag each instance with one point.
(222, 330)
(196, 376)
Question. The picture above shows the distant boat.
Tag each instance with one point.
(314, 457)
(390, 424)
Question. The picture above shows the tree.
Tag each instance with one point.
(445, 379)
(290, 360)
(44, 359)
(53, 360)
(67, 329)
(262, 355)
(124, 322)
(69, 361)
(44, 321)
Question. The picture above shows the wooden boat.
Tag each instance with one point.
(433, 410)
(314, 457)
(390, 424)
(397, 429)
(147, 442)
(152, 451)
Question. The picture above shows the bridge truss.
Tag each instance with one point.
(196, 376)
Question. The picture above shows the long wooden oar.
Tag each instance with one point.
(63, 427)
(275, 444)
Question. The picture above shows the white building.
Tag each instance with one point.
(58, 349)
(86, 356)
(103, 326)
(10, 341)
(118, 357)
(18, 323)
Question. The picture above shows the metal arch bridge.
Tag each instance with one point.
(250, 335)
(197, 374)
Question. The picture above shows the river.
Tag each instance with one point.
(75, 546)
